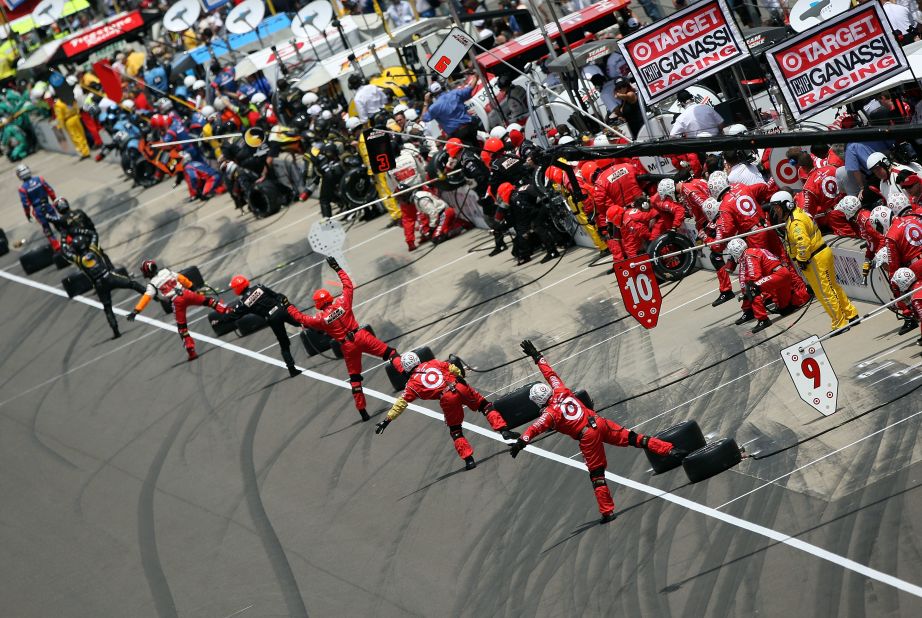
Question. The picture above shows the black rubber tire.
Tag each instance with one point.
(4, 243)
(674, 268)
(399, 380)
(37, 259)
(76, 284)
(338, 350)
(265, 199)
(193, 274)
(584, 396)
(167, 305)
(685, 435)
(712, 460)
(249, 324)
(516, 408)
(220, 323)
(357, 188)
(61, 262)
(145, 174)
(314, 341)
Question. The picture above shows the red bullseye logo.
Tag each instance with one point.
(746, 205)
(913, 235)
(830, 187)
(641, 52)
(792, 62)
(432, 378)
(570, 409)
(786, 172)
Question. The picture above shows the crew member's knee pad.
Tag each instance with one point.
(455, 431)
(356, 380)
(183, 329)
(597, 476)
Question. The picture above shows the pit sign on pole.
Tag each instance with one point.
(452, 50)
(639, 290)
(812, 374)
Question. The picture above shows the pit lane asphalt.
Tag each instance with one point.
(139, 484)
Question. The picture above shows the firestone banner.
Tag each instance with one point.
(827, 64)
(683, 49)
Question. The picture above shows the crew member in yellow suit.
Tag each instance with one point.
(804, 243)
(68, 119)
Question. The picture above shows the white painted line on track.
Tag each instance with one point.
(816, 461)
(763, 531)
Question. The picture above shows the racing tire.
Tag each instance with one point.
(60, 261)
(4, 243)
(193, 274)
(517, 409)
(76, 284)
(337, 349)
(314, 341)
(145, 174)
(265, 199)
(399, 380)
(676, 267)
(167, 305)
(249, 324)
(357, 187)
(37, 259)
(686, 436)
(220, 323)
(712, 459)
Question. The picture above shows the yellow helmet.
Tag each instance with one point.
(254, 137)
(283, 135)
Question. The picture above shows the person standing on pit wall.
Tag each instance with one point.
(569, 416)
(447, 109)
(444, 381)
(336, 318)
(804, 243)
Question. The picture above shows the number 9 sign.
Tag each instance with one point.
(812, 374)
(639, 290)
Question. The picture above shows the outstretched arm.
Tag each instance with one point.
(552, 378)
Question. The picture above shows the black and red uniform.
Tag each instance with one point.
(569, 416)
(338, 321)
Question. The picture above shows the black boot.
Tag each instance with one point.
(724, 297)
(364, 415)
(293, 371)
(909, 324)
(745, 317)
(551, 255)
(607, 517)
(761, 325)
(469, 463)
(509, 435)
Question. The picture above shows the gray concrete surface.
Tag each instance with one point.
(137, 484)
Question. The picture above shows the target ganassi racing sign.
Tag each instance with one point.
(679, 51)
(824, 66)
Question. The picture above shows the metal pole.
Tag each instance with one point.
(407, 190)
(480, 75)
(579, 74)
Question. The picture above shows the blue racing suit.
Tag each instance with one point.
(37, 197)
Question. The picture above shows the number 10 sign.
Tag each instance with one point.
(639, 290)
(812, 373)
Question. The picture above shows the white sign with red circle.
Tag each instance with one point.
(785, 174)
(812, 374)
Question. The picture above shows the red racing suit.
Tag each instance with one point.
(915, 301)
(437, 379)
(775, 280)
(338, 321)
(635, 230)
(694, 193)
(670, 215)
(820, 195)
(568, 415)
(741, 211)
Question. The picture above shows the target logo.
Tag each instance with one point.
(571, 409)
(746, 205)
(786, 172)
(432, 378)
(830, 187)
(792, 62)
(641, 52)
(913, 234)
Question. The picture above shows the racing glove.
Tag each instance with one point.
(131, 316)
(333, 263)
(380, 427)
(517, 447)
(529, 348)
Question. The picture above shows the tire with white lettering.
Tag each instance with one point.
(399, 380)
(315, 342)
(686, 436)
(357, 187)
(249, 324)
(37, 259)
(712, 460)
(675, 267)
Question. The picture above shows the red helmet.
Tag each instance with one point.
(149, 268)
(588, 169)
(158, 121)
(322, 298)
(555, 175)
(239, 283)
(453, 147)
(504, 191)
(516, 137)
(493, 145)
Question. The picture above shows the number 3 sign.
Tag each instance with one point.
(813, 376)
(639, 290)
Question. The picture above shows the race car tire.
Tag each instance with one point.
(4, 243)
(145, 174)
(357, 187)
(220, 323)
(676, 267)
(315, 342)
(60, 261)
(686, 436)
(76, 284)
(167, 305)
(337, 349)
(712, 460)
(37, 259)
(517, 409)
(193, 274)
(265, 199)
(249, 324)
(399, 380)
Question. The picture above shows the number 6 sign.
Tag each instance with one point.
(639, 290)
(813, 376)
(451, 51)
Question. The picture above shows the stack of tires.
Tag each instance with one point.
(703, 460)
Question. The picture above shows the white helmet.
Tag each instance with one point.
(314, 110)
(353, 123)
(23, 172)
(735, 248)
(903, 278)
(849, 206)
(71, 80)
(400, 108)
(784, 198)
(539, 393)
(411, 115)
(106, 104)
(128, 104)
(498, 132)
(208, 111)
(220, 104)
(898, 203)
(665, 187)
(881, 218)
(515, 126)
(409, 361)
(189, 81)
(199, 84)
(877, 158)
(309, 99)
(735, 129)
(881, 258)
(164, 105)
(718, 183)
(710, 207)
(601, 140)
(258, 99)
(326, 114)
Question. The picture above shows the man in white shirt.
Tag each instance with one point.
(741, 171)
(695, 118)
(400, 13)
(369, 99)
(900, 19)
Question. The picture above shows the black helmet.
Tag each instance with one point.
(149, 268)
(355, 81)
(61, 205)
(330, 150)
